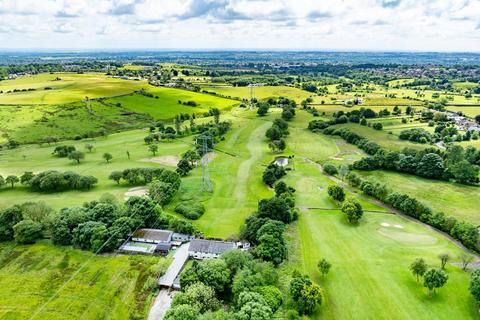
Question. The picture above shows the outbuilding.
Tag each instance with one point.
(205, 249)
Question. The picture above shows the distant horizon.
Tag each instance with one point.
(332, 50)
(266, 25)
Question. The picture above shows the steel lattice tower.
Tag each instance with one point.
(203, 142)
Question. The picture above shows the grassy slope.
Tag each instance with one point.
(167, 106)
(259, 92)
(382, 137)
(454, 199)
(105, 288)
(72, 87)
(370, 276)
(237, 186)
(40, 158)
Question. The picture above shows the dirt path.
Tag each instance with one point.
(387, 207)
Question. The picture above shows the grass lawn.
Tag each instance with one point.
(260, 93)
(72, 87)
(167, 106)
(30, 124)
(382, 137)
(457, 200)
(236, 179)
(34, 283)
(39, 159)
(370, 262)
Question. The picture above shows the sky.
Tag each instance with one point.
(370, 25)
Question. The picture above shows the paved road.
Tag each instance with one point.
(162, 304)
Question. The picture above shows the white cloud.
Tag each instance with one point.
(291, 24)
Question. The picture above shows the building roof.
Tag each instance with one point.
(153, 234)
(163, 246)
(210, 246)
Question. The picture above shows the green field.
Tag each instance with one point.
(469, 111)
(72, 87)
(370, 261)
(45, 282)
(261, 92)
(460, 201)
(167, 106)
(382, 137)
(39, 159)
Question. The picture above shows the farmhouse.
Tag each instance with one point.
(204, 249)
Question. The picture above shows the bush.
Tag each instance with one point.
(191, 210)
(27, 232)
(330, 169)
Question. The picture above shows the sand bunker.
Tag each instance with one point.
(398, 226)
(164, 160)
(137, 191)
(384, 224)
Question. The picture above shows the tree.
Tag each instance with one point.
(271, 248)
(336, 192)
(61, 234)
(324, 266)
(444, 257)
(116, 176)
(153, 148)
(418, 267)
(434, 278)
(214, 273)
(198, 295)
(353, 210)
(183, 167)
(89, 147)
(431, 166)
(274, 133)
(184, 312)
(76, 155)
(27, 231)
(330, 169)
(8, 218)
(297, 284)
(26, 177)
(343, 171)
(311, 296)
(2, 181)
(262, 108)
(464, 172)
(86, 233)
(277, 145)
(276, 208)
(466, 260)
(107, 156)
(12, 180)
(161, 192)
(475, 284)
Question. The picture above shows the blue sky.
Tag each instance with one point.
(417, 25)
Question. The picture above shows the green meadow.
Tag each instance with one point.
(460, 201)
(260, 92)
(42, 281)
(39, 158)
(69, 88)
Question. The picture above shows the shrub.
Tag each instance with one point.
(330, 169)
(191, 210)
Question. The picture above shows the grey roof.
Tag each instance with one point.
(153, 234)
(210, 246)
(163, 246)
